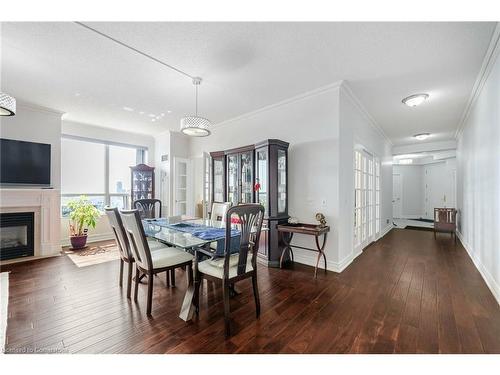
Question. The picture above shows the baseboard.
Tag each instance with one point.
(488, 279)
(91, 238)
(330, 265)
(28, 259)
(386, 230)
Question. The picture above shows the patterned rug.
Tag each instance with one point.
(4, 302)
(90, 255)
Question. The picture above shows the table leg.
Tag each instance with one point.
(187, 308)
(321, 253)
(287, 239)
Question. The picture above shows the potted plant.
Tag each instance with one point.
(83, 215)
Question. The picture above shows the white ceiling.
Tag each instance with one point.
(245, 66)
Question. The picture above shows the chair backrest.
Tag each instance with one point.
(137, 238)
(219, 211)
(116, 224)
(147, 208)
(249, 216)
(445, 215)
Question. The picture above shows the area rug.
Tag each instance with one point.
(4, 302)
(92, 255)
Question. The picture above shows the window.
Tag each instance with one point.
(98, 170)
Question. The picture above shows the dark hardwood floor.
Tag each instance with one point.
(407, 293)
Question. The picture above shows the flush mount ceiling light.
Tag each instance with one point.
(195, 126)
(422, 136)
(414, 100)
(7, 105)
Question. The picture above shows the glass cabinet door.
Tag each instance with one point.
(282, 188)
(246, 178)
(232, 179)
(261, 179)
(218, 180)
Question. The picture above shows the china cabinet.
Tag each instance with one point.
(256, 174)
(142, 178)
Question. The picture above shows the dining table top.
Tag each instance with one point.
(158, 229)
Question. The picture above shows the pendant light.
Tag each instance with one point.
(195, 126)
(7, 105)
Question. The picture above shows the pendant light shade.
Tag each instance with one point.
(7, 105)
(195, 126)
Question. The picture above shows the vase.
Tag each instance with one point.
(78, 242)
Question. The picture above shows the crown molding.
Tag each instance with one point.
(22, 103)
(296, 98)
(489, 60)
(344, 87)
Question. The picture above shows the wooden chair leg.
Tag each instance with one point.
(150, 294)
(190, 275)
(168, 277)
(227, 311)
(172, 276)
(129, 279)
(121, 273)
(196, 299)
(256, 295)
(136, 287)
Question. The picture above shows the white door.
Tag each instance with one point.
(364, 200)
(396, 196)
(182, 193)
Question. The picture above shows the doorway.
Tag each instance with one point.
(182, 195)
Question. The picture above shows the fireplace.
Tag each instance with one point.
(16, 235)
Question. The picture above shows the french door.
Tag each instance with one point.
(182, 192)
(366, 199)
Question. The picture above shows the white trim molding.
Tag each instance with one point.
(487, 277)
(488, 63)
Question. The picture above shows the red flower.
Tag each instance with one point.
(256, 187)
(235, 220)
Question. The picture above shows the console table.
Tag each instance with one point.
(288, 230)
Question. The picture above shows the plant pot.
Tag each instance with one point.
(78, 242)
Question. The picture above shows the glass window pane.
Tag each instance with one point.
(119, 201)
(120, 161)
(97, 201)
(82, 167)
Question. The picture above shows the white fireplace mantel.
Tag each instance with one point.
(45, 203)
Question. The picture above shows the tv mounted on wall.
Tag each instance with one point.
(24, 163)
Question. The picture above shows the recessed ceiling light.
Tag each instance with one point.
(406, 161)
(422, 136)
(152, 115)
(77, 94)
(169, 111)
(141, 112)
(128, 109)
(414, 100)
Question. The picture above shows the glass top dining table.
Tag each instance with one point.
(177, 238)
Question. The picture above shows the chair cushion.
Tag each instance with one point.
(215, 267)
(169, 256)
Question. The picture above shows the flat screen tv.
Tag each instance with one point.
(24, 163)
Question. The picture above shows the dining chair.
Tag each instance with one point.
(234, 267)
(147, 208)
(149, 262)
(123, 245)
(445, 220)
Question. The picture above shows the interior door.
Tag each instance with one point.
(364, 199)
(181, 194)
(396, 196)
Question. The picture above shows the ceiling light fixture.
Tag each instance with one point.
(195, 126)
(7, 105)
(422, 136)
(414, 100)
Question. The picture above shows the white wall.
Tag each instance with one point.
(412, 190)
(37, 124)
(310, 124)
(478, 156)
(358, 129)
